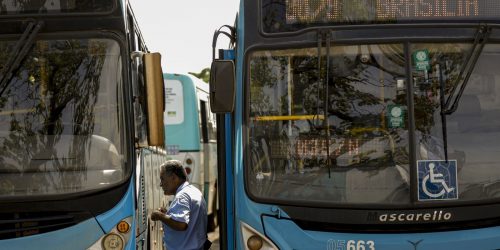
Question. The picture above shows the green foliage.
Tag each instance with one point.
(203, 75)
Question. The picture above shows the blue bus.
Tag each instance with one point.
(81, 127)
(191, 135)
(360, 124)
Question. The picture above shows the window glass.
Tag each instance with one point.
(472, 130)
(174, 102)
(331, 130)
(60, 128)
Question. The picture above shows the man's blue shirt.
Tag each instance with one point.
(188, 206)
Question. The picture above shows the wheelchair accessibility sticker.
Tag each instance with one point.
(437, 180)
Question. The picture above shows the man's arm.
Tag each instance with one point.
(175, 225)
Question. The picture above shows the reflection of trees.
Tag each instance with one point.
(361, 83)
(262, 75)
(24, 6)
(354, 87)
(51, 99)
(450, 57)
(40, 6)
(5, 53)
(354, 99)
(345, 76)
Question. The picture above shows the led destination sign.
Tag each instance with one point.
(333, 10)
(427, 8)
(290, 15)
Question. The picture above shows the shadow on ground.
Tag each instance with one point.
(214, 238)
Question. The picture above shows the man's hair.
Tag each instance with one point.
(174, 167)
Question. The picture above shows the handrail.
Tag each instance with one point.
(287, 117)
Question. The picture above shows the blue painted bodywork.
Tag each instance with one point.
(82, 235)
(286, 234)
(237, 168)
(125, 208)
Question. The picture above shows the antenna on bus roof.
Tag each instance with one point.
(231, 36)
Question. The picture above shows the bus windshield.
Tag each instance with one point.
(334, 127)
(60, 128)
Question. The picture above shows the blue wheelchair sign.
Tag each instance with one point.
(437, 180)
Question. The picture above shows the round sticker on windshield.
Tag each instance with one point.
(421, 59)
(396, 112)
(421, 55)
(396, 115)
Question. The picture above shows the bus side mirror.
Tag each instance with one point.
(222, 86)
(155, 103)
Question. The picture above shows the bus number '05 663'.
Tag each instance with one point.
(350, 245)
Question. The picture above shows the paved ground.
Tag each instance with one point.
(214, 238)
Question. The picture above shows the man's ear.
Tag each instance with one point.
(176, 179)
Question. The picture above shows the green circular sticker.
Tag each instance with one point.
(396, 112)
(421, 56)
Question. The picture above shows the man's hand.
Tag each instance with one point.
(157, 215)
(161, 216)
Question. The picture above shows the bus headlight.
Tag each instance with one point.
(112, 242)
(116, 239)
(254, 240)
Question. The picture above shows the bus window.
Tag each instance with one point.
(203, 122)
(212, 128)
(59, 119)
(174, 102)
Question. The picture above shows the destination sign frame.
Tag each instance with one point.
(292, 15)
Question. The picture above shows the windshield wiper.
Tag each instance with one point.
(21, 48)
(443, 114)
(327, 37)
(481, 38)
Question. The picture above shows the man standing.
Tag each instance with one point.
(185, 222)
